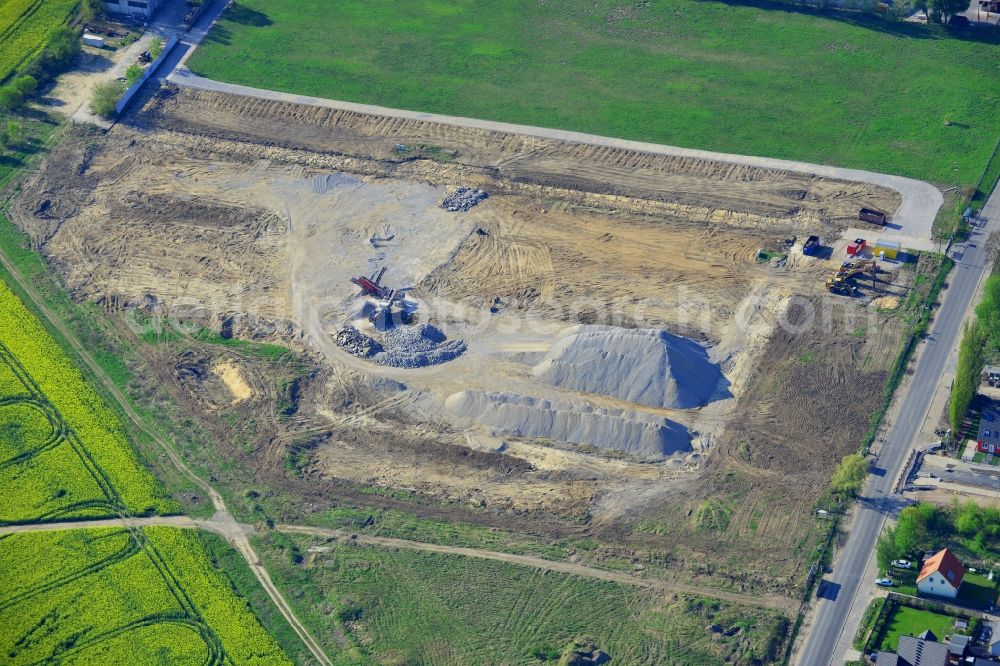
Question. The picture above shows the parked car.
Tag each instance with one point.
(884, 582)
(902, 564)
(959, 21)
(921, 17)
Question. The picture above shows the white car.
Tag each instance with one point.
(901, 564)
(884, 582)
(920, 17)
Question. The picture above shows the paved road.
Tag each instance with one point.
(831, 616)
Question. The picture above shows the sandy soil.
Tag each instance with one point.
(251, 217)
(232, 377)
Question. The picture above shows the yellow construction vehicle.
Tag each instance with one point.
(842, 281)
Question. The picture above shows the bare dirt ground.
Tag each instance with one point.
(249, 217)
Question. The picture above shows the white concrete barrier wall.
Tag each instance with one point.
(153, 66)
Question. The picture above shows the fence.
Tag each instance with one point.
(936, 605)
(134, 88)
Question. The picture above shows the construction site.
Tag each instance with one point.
(523, 333)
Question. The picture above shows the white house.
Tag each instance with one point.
(134, 8)
(941, 575)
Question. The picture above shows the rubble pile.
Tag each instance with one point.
(401, 346)
(417, 346)
(463, 199)
(356, 343)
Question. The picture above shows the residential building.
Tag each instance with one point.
(914, 652)
(137, 9)
(941, 575)
(988, 439)
(958, 647)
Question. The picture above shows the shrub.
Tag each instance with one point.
(156, 47)
(106, 94)
(10, 98)
(850, 474)
(26, 85)
(133, 74)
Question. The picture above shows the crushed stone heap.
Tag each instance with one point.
(646, 366)
(642, 435)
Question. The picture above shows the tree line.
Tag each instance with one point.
(921, 528)
(980, 344)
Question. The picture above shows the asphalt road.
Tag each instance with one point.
(878, 501)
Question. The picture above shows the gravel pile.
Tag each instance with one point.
(417, 346)
(645, 366)
(357, 343)
(401, 346)
(463, 199)
(639, 434)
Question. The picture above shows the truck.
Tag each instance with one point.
(857, 248)
(811, 247)
(873, 216)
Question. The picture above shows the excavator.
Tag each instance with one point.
(843, 281)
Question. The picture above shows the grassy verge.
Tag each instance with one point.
(228, 563)
(872, 614)
(834, 88)
(384, 606)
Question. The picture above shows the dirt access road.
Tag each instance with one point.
(222, 527)
(911, 223)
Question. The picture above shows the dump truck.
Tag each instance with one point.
(856, 248)
(811, 247)
(873, 216)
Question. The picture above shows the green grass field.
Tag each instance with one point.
(849, 90)
(106, 596)
(406, 607)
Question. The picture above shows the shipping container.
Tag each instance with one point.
(872, 215)
(889, 248)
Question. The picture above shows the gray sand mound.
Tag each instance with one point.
(645, 366)
(639, 434)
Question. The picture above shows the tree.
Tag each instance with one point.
(970, 365)
(850, 474)
(886, 549)
(10, 98)
(26, 85)
(945, 9)
(106, 94)
(59, 54)
(922, 527)
(988, 312)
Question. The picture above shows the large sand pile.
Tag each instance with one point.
(640, 434)
(645, 366)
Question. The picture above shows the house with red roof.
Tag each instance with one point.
(941, 575)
